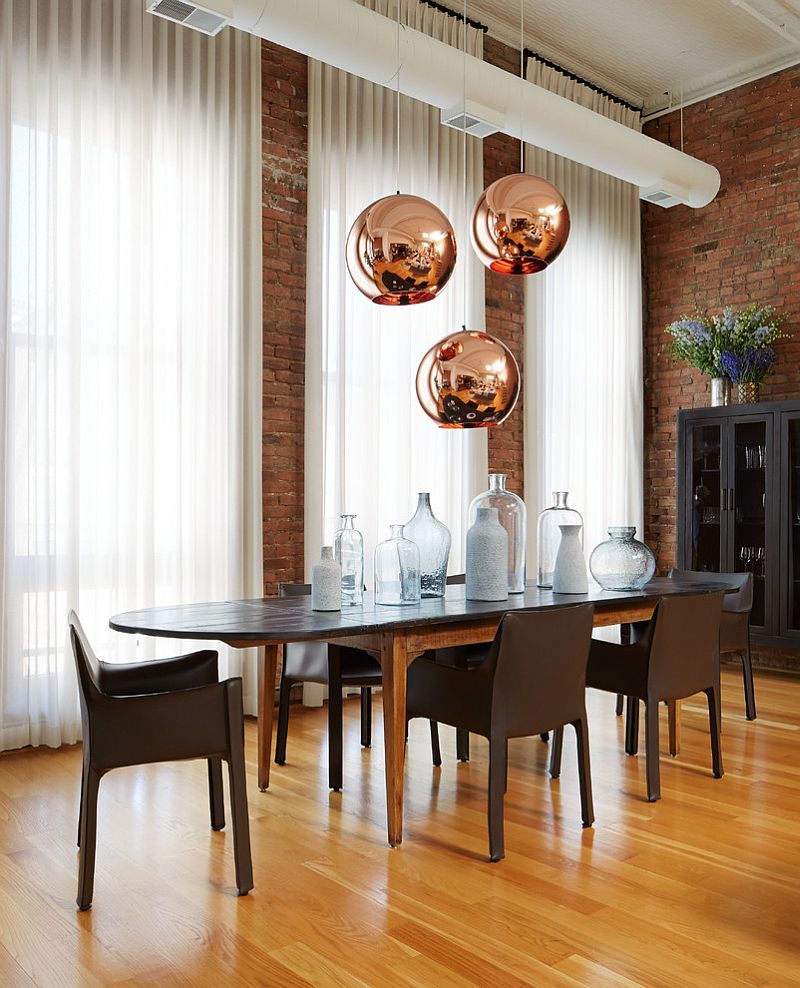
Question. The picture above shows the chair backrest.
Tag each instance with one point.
(683, 644)
(86, 662)
(540, 668)
(456, 579)
(740, 602)
(294, 589)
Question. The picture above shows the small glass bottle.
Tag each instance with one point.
(548, 535)
(512, 515)
(348, 548)
(432, 538)
(397, 570)
(622, 562)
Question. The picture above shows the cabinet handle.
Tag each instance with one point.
(723, 498)
(730, 500)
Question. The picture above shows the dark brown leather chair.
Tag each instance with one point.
(159, 711)
(331, 666)
(532, 680)
(675, 656)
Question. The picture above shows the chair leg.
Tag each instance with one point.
(238, 787)
(620, 704)
(716, 744)
(651, 750)
(216, 797)
(283, 722)
(436, 751)
(749, 689)
(584, 771)
(544, 736)
(88, 838)
(366, 717)
(334, 718)
(555, 752)
(497, 782)
(674, 718)
(632, 726)
(462, 745)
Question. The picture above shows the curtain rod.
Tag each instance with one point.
(529, 53)
(459, 17)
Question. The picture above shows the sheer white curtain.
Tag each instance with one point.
(369, 446)
(583, 351)
(130, 377)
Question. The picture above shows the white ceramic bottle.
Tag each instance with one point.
(326, 583)
(487, 557)
(569, 572)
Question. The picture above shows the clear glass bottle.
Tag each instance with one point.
(397, 570)
(432, 538)
(348, 548)
(548, 535)
(622, 563)
(513, 517)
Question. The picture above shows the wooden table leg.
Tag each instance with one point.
(267, 668)
(674, 716)
(394, 664)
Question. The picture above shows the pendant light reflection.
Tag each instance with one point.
(401, 250)
(468, 380)
(520, 225)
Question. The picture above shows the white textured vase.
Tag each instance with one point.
(569, 572)
(326, 583)
(487, 557)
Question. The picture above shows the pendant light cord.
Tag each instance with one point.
(464, 147)
(397, 105)
(521, 85)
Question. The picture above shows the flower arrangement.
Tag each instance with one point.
(736, 345)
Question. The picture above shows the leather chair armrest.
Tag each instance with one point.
(182, 672)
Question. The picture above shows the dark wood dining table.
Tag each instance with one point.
(395, 635)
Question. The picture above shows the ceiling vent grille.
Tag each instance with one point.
(476, 120)
(192, 15)
(665, 196)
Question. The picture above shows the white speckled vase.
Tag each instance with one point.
(569, 572)
(326, 583)
(487, 557)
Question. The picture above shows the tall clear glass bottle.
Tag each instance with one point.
(548, 534)
(397, 570)
(432, 538)
(512, 515)
(348, 548)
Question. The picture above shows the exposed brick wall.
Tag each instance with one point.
(505, 294)
(284, 77)
(742, 247)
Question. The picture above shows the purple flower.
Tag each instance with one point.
(752, 365)
(693, 326)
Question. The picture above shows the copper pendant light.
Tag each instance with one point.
(520, 225)
(468, 380)
(401, 250)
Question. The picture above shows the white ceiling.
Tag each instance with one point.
(652, 52)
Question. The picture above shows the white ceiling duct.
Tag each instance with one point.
(351, 37)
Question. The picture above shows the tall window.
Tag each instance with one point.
(130, 283)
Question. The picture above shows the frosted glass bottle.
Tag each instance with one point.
(512, 515)
(548, 535)
(432, 538)
(326, 582)
(348, 548)
(397, 570)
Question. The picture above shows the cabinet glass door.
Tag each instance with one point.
(748, 501)
(791, 617)
(706, 534)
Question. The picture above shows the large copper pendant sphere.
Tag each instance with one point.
(468, 380)
(520, 225)
(401, 250)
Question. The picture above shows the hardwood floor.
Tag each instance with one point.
(702, 888)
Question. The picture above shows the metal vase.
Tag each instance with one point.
(720, 391)
(749, 393)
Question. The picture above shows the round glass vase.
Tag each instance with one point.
(548, 535)
(397, 570)
(432, 538)
(348, 549)
(513, 516)
(622, 562)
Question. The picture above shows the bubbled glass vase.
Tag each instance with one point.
(397, 570)
(622, 562)
(512, 515)
(548, 535)
(432, 538)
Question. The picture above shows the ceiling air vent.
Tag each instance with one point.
(201, 18)
(665, 195)
(476, 120)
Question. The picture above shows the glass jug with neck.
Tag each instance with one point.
(548, 535)
(348, 548)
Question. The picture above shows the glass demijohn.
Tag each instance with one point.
(432, 538)
(548, 535)
(397, 570)
(512, 515)
(348, 548)
(622, 563)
